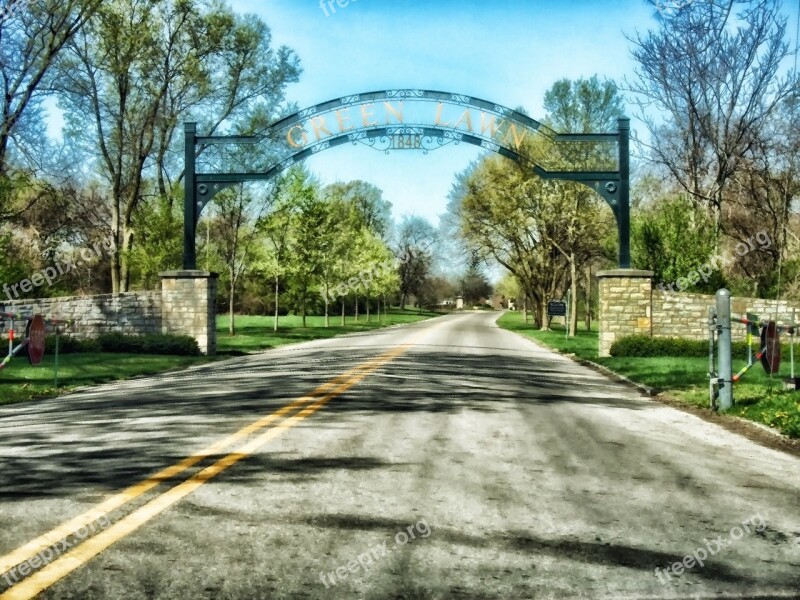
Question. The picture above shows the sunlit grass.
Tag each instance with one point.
(758, 396)
(20, 381)
(254, 333)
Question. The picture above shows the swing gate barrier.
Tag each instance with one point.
(33, 342)
(722, 378)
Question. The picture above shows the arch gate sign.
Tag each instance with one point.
(398, 120)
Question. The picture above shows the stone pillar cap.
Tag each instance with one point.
(189, 274)
(625, 273)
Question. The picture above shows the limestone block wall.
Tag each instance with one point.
(131, 312)
(629, 306)
(686, 315)
(185, 305)
(625, 305)
(189, 306)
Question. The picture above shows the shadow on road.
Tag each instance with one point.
(114, 436)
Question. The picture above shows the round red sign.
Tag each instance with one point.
(35, 332)
(771, 359)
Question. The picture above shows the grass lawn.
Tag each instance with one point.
(757, 397)
(255, 333)
(20, 381)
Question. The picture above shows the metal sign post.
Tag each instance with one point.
(724, 367)
(752, 331)
(556, 308)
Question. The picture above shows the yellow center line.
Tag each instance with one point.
(46, 540)
(75, 558)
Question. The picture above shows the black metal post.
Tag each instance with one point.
(189, 199)
(624, 208)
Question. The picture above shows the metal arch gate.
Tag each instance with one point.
(603, 157)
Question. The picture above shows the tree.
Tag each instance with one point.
(712, 69)
(672, 237)
(509, 287)
(367, 199)
(277, 229)
(33, 34)
(474, 284)
(309, 246)
(136, 68)
(414, 245)
(582, 106)
(236, 228)
(510, 214)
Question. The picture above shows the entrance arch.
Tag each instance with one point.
(408, 119)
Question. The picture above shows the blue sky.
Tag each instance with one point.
(508, 51)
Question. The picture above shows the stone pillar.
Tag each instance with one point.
(625, 305)
(188, 306)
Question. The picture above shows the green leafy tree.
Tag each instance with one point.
(582, 106)
(308, 248)
(414, 247)
(137, 68)
(672, 238)
(277, 230)
(475, 285)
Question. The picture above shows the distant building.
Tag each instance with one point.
(459, 302)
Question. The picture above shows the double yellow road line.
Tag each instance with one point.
(81, 554)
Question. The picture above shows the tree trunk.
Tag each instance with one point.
(368, 305)
(327, 317)
(275, 323)
(525, 310)
(403, 301)
(573, 295)
(342, 311)
(356, 308)
(545, 321)
(231, 321)
(305, 293)
(117, 251)
(588, 307)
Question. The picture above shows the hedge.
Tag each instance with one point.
(176, 345)
(645, 346)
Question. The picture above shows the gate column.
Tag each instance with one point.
(188, 305)
(625, 306)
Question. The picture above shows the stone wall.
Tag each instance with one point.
(629, 306)
(685, 315)
(185, 305)
(131, 312)
(625, 305)
(189, 300)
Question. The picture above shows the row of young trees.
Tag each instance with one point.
(716, 168)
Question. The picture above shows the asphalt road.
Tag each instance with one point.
(448, 459)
